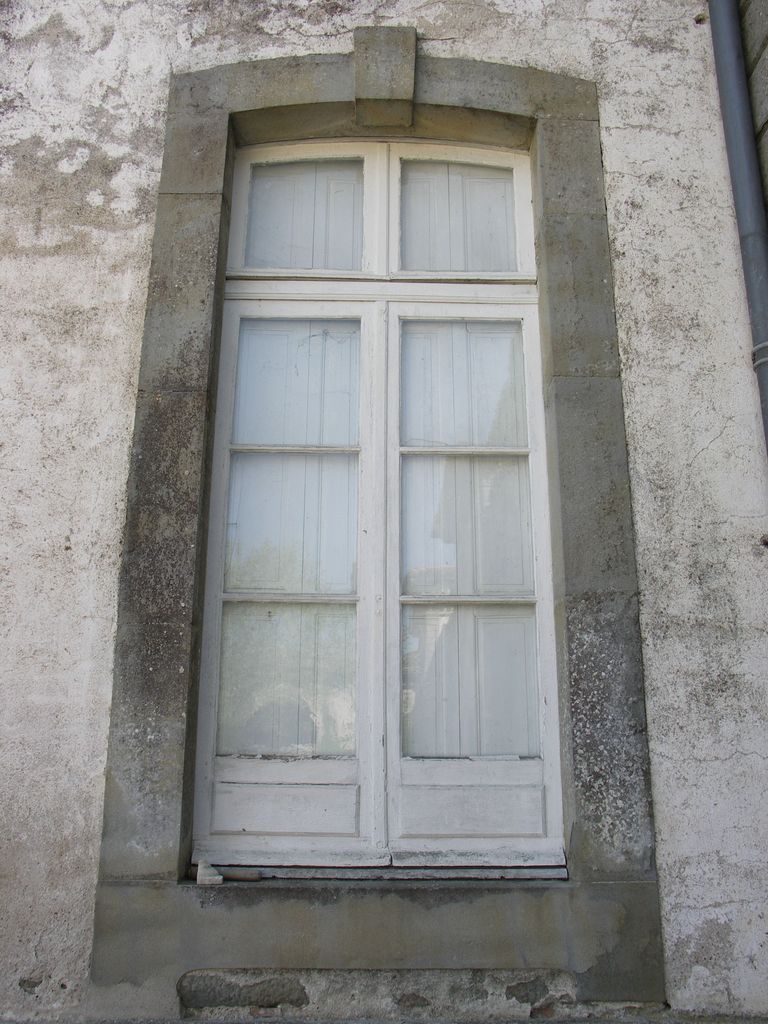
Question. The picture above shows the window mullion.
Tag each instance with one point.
(393, 662)
(372, 512)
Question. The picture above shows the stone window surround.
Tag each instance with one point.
(601, 926)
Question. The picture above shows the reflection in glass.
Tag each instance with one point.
(457, 217)
(287, 680)
(469, 686)
(463, 383)
(306, 215)
(297, 382)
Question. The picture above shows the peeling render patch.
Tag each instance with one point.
(60, 215)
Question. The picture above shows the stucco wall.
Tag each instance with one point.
(84, 98)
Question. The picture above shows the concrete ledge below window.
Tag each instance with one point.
(601, 937)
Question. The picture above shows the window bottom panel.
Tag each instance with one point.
(286, 810)
(471, 811)
(468, 853)
(531, 858)
(302, 851)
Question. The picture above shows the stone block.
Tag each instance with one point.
(758, 91)
(163, 527)
(528, 92)
(475, 127)
(385, 60)
(337, 120)
(567, 168)
(595, 511)
(754, 29)
(301, 121)
(145, 763)
(197, 152)
(279, 82)
(608, 743)
(762, 153)
(185, 285)
(578, 324)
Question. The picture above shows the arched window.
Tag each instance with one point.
(455, 457)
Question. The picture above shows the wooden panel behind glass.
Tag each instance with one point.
(462, 384)
(457, 217)
(287, 680)
(469, 685)
(306, 215)
(297, 382)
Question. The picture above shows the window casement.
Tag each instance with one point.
(378, 680)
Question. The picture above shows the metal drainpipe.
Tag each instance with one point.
(745, 180)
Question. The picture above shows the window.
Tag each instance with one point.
(378, 681)
(147, 842)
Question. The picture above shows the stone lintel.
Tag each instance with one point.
(385, 68)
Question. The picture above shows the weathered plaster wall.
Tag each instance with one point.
(84, 93)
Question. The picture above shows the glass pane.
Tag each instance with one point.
(469, 681)
(291, 523)
(463, 383)
(297, 382)
(466, 526)
(306, 216)
(457, 217)
(287, 680)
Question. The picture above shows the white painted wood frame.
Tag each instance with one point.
(521, 793)
(336, 803)
(520, 166)
(378, 808)
(375, 161)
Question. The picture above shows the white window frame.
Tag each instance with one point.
(374, 157)
(526, 773)
(518, 163)
(380, 295)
